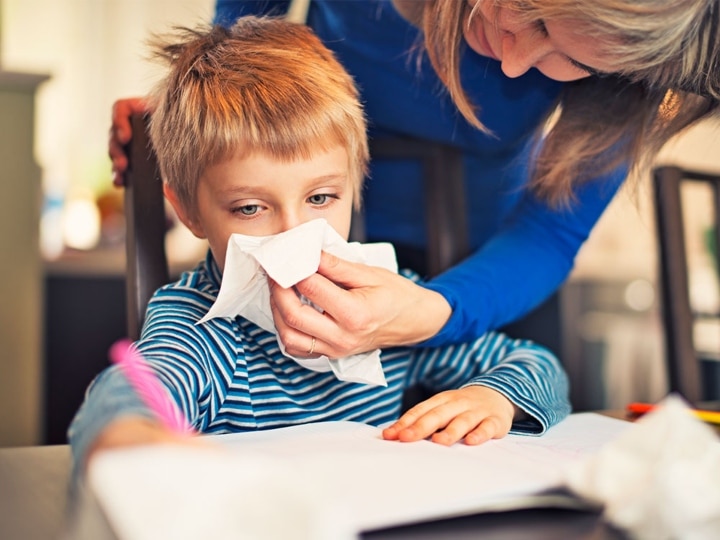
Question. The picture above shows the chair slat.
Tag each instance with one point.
(145, 222)
(682, 359)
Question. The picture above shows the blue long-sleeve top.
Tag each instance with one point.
(522, 248)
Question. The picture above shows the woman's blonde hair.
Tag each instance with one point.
(263, 85)
(667, 54)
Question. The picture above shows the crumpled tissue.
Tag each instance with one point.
(658, 480)
(290, 257)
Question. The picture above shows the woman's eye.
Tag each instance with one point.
(247, 210)
(540, 26)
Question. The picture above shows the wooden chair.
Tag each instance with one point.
(684, 361)
(447, 231)
(147, 264)
(443, 183)
(146, 224)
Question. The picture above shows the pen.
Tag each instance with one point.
(711, 417)
(148, 387)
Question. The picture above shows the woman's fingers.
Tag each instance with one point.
(122, 110)
(119, 159)
(297, 323)
(343, 290)
(363, 308)
(121, 132)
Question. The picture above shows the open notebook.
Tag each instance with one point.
(331, 480)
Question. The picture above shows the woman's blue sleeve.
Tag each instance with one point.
(530, 256)
(522, 265)
(227, 11)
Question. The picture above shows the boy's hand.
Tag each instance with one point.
(136, 431)
(476, 413)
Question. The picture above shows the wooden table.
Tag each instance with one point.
(35, 504)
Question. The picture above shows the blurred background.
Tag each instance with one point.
(62, 65)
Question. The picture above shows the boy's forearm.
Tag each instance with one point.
(533, 380)
(109, 398)
(130, 430)
(534, 412)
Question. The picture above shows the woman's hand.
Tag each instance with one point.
(120, 133)
(475, 413)
(365, 308)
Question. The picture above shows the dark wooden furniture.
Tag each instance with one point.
(145, 226)
(107, 307)
(147, 266)
(445, 205)
(684, 362)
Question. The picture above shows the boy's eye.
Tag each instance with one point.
(320, 198)
(247, 210)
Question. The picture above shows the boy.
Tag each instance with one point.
(259, 129)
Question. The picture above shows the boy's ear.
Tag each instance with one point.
(182, 213)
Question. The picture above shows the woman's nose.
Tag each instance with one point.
(522, 50)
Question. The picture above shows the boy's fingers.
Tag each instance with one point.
(451, 416)
(407, 419)
(429, 422)
(458, 428)
(482, 434)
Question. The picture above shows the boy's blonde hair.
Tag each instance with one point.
(264, 85)
(667, 54)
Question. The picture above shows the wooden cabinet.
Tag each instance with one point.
(21, 284)
(84, 316)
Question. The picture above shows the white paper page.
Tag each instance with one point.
(340, 475)
(387, 483)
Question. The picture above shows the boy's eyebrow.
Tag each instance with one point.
(332, 177)
(335, 179)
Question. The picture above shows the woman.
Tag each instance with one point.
(557, 101)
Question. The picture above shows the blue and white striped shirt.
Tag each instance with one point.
(228, 375)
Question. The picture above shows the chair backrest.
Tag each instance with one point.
(147, 264)
(444, 193)
(683, 360)
(146, 224)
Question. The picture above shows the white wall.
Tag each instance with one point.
(622, 251)
(95, 52)
(622, 245)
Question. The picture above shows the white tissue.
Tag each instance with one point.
(658, 480)
(290, 257)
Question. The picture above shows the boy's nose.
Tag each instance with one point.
(290, 219)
